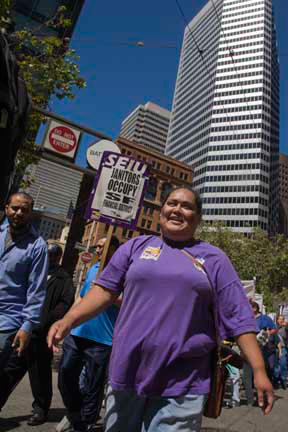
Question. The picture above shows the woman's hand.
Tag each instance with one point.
(57, 332)
(264, 391)
(248, 344)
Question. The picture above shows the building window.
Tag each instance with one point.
(130, 234)
(149, 223)
(124, 232)
(143, 223)
(166, 188)
(151, 188)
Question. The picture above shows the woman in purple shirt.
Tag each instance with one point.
(164, 335)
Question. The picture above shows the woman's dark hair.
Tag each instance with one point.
(255, 306)
(198, 200)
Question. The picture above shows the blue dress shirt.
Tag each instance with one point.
(23, 278)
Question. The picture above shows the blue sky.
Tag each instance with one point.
(120, 77)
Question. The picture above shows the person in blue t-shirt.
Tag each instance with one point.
(267, 331)
(86, 353)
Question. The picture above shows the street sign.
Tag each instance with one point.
(79, 246)
(86, 257)
(118, 190)
(95, 152)
(62, 139)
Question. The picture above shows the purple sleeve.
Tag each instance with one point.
(113, 276)
(234, 310)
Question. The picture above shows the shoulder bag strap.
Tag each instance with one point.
(215, 305)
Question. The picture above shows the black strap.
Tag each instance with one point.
(214, 297)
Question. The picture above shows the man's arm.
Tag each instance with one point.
(36, 289)
(92, 304)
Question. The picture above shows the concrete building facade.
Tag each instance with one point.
(225, 115)
(147, 125)
(283, 188)
(55, 187)
(49, 225)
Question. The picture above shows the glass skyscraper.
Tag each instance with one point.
(32, 13)
(225, 115)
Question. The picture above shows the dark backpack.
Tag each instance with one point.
(15, 106)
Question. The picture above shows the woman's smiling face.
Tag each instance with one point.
(179, 215)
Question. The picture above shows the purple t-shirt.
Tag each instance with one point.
(165, 332)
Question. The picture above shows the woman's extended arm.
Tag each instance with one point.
(93, 303)
(250, 348)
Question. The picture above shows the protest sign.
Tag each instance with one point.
(118, 189)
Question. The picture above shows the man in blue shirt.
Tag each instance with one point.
(23, 276)
(88, 345)
(263, 321)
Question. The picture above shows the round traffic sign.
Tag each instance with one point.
(95, 151)
(86, 257)
(62, 139)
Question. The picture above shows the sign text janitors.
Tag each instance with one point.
(118, 190)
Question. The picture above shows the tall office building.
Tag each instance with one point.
(55, 188)
(225, 115)
(147, 125)
(283, 193)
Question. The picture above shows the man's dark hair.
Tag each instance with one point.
(114, 242)
(24, 195)
(198, 200)
(255, 306)
(54, 249)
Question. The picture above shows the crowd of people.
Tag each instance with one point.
(273, 341)
(155, 297)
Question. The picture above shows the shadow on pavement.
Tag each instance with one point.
(11, 423)
(56, 414)
(209, 429)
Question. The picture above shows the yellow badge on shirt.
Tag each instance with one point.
(151, 253)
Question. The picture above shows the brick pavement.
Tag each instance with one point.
(243, 419)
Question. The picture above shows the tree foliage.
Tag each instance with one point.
(256, 256)
(49, 68)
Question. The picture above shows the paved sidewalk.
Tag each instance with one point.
(243, 419)
(251, 419)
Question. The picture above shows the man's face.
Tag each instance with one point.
(18, 212)
(99, 247)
